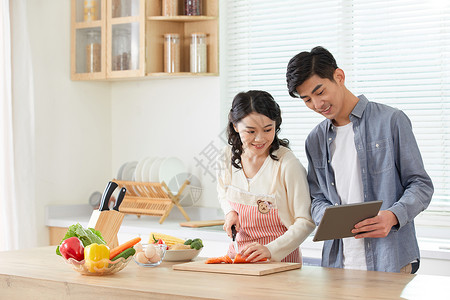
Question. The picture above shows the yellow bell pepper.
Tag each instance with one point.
(94, 255)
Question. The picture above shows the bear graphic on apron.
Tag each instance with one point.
(258, 217)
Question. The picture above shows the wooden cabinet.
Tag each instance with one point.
(184, 26)
(56, 234)
(108, 39)
(113, 39)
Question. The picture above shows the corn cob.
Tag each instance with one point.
(168, 239)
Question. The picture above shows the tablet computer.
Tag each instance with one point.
(339, 220)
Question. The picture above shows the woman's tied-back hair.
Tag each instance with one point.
(244, 104)
(301, 67)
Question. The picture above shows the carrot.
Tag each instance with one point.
(227, 259)
(213, 260)
(218, 260)
(238, 259)
(241, 260)
(114, 252)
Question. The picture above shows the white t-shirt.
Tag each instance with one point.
(347, 173)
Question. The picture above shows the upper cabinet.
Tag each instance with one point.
(108, 39)
(112, 39)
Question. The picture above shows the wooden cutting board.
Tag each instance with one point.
(196, 224)
(255, 269)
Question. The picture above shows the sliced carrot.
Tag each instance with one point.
(218, 260)
(114, 252)
(238, 259)
(227, 259)
(213, 260)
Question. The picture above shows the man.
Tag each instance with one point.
(363, 151)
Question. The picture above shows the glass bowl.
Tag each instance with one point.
(160, 251)
(110, 267)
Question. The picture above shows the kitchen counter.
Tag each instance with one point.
(40, 274)
(435, 253)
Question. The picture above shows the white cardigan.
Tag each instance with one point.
(292, 194)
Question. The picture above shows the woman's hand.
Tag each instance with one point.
(254, 252)
(231, 218)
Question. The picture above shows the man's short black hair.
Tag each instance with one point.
(302, 66)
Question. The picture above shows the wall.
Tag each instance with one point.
(72, 119)
(167, 117)
(86, 130)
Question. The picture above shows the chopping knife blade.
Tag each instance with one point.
(107, 193)
(120, 197)
(233, 235)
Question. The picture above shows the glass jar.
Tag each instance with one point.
(171, 52)
(198, 54)
(90, 10)
(116, 8)
(121, 50)
(121, 8)
(193, 7)
(169, 7)
(93, 51)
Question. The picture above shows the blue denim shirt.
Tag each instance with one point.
(392, 170)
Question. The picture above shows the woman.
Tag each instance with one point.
(262, 186)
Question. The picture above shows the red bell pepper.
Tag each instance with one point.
(72, 248)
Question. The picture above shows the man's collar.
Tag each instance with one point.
(357, 111)
(360, 106)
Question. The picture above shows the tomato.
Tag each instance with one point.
(160, 242)
(72, 248)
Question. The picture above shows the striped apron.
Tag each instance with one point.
(258, 218)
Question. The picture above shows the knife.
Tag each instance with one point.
(107, 193)
(233, 235)
(120, 197)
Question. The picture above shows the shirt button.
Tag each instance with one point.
(328, 161)
(329, 139)
(377, 145)
(332, 183)
(364, 170)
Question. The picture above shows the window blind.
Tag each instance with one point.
(394, 52)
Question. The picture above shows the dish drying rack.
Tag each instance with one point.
(150, 198)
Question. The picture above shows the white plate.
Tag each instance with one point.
(181, 255)
(154, 170)
(128, 171)
(120, 172)
(169, 168)
(138, 170)
(94, 199)
(146, 169)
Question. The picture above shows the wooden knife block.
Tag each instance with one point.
(108, 222)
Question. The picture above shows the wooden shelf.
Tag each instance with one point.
(184, 26)
(180, 74)
(80, 25)
(182, 18)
